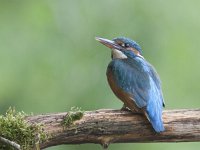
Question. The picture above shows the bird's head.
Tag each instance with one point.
(122, 47)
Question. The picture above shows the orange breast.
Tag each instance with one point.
(123, 96)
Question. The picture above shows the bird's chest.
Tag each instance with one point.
(125, 73)
(119, 73)
(118, 81)
(114, 85)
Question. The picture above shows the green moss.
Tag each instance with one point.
(73, 115)
(14, 127)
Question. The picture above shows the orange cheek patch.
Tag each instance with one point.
(135, 51)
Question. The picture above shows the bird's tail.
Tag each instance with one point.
(155, 118)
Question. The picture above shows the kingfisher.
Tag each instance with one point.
(134, 80)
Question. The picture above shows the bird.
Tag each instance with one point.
(134, 80)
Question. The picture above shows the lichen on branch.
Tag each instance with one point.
(14, 127)
(73, 115)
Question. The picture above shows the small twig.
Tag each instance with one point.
(11, 143)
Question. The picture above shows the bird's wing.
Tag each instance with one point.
(157, 81)
(139, 82)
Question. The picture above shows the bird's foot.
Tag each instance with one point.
(124, 108)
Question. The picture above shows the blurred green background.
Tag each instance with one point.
(49, 60)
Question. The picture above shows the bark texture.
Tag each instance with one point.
(115, 126)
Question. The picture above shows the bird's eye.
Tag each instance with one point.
(126, 45)
(123, 44)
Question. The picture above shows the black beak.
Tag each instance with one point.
(109, 43)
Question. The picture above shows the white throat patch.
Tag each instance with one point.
(118, 54)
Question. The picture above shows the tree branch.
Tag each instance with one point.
(11, 143)
(115, 126)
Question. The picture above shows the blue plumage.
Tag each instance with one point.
(134, 80)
